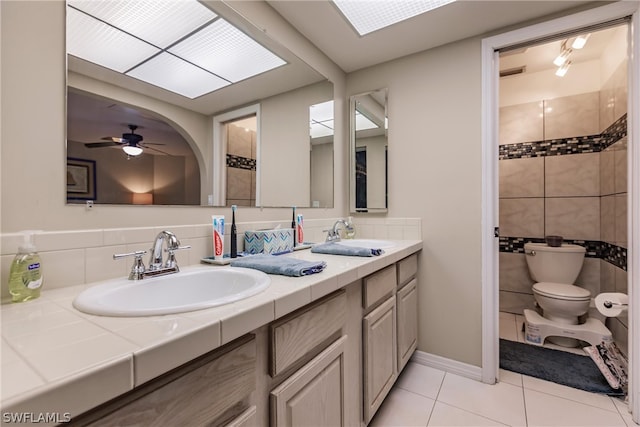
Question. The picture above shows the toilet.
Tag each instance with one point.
(555, 270)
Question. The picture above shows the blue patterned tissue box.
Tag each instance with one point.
(268, 241)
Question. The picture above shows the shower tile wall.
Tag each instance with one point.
(241, 166)
(563, 172)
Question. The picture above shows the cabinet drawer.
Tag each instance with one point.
(378, 286)
(300, 333)
(246, 419)
(407, 269)
(196, 394)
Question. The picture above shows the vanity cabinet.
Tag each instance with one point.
(329, 363)
(407, 308)
(212, 390)
(378, 339)
(314, 393)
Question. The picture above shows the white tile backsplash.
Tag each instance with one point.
(76, 257)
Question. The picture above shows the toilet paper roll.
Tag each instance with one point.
(611, 304)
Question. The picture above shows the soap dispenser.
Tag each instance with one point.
(350, 231)
(25, 275)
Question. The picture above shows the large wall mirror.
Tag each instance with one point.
(368, 147)
(129, 141)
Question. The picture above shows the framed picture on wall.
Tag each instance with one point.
(81, 179)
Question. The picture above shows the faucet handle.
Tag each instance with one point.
(171, 257)
(138, 269)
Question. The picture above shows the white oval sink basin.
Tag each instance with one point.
(367, 243)
(188, 290)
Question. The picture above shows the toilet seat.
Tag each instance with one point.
(562, 291)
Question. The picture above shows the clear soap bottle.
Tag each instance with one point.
(25, 275)
(350, 231)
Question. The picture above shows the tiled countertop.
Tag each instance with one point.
(56, 359)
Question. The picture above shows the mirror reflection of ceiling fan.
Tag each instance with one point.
(130, 142)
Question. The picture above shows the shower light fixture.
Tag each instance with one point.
(580, 41)
(563, 69)
(564, 55)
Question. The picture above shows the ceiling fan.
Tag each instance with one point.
(130, 142)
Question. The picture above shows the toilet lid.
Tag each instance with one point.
(562, 291)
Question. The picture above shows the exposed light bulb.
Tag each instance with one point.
(131, 150)
(562, 58)
(580, 41)
(563, 69)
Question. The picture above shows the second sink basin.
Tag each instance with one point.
(188, 290)
(367, 243)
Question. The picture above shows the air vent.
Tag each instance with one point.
(513, 71)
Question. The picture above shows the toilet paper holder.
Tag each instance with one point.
(609, 304)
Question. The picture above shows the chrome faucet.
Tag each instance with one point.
(333, 235)
(156, 265)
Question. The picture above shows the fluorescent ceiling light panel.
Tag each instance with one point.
(227, 52)
(176, 75)
(321, 119)
(97, 42)
(320, 129)
(363, 123)
(159, 22)
(321, 112)
(367, 16)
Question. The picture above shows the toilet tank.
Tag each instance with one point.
(554, 264)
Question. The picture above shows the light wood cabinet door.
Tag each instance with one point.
(407, 306)
(379, 354)
(313, 395)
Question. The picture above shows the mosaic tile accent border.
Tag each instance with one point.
(574, 145)
(240, 162)
(613, 254)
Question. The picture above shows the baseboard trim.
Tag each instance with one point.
(447, 365)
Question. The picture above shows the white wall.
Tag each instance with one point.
(434, 173)
(285, 166)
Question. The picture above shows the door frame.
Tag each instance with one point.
(490, 111)
(219, 152)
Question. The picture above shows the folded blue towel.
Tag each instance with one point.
(285, 266)
(334, 248)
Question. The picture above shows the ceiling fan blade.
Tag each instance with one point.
(115, 139)
(100, 144)
(151, 143)
(155, 149)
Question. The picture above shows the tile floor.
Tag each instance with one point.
(425, 396)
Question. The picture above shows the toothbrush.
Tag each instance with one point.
(293, 225)
(234, 237)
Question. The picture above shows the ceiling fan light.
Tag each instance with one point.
(131, 150)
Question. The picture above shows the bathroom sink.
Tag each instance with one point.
(188, 290)
(367, 243)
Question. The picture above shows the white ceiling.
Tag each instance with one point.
(322, 23)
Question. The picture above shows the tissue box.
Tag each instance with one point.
(268, 241)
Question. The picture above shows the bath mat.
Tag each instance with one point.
(558, 366)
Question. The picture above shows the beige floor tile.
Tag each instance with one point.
(509, 377)
(447, 415)
(507, 325)
(502, 402)
(420, 379)
(402, 408)
(547, 410)
(592, 399)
